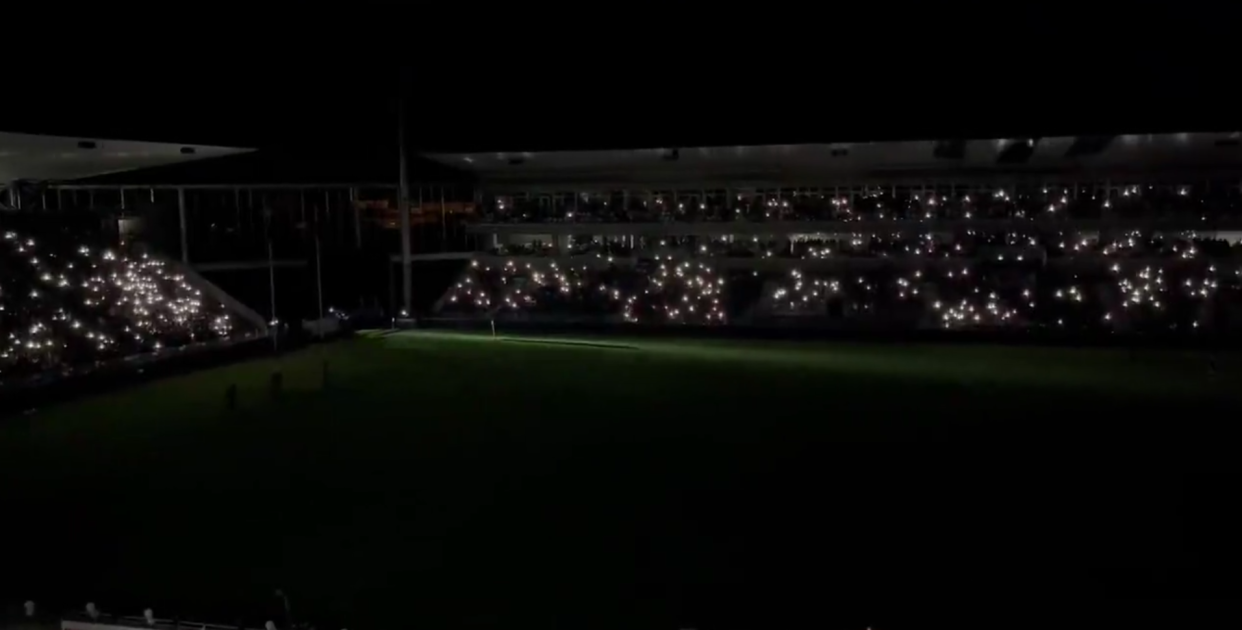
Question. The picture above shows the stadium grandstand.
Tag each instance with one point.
(1116, 234)
(1060, 235)
(611, 453)
(75, 295)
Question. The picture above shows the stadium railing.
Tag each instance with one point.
(83, 621)
(218, 294)
(76, 382)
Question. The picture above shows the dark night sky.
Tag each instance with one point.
(477, 88)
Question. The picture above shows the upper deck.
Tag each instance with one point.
(853, 163)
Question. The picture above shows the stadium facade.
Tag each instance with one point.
(74, 299)
(1085, 234)
(848, 235)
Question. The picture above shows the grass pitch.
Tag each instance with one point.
(468, 480)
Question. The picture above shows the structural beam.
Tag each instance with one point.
(56, 186)
(182, 223)
(403, 206)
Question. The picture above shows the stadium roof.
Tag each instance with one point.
(37, 157)
(808, 164)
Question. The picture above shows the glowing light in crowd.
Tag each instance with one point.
(96, 305)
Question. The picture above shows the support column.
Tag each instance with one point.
(443, 223)
(319, 269)
(249, 213)
(327, 211)
(477, 196)
(353, 203)
(403, 206)
(185, 234)
(271, 266)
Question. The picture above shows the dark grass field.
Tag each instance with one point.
(460, 481)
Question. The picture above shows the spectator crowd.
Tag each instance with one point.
(65, 302)
(1173, 294)
(885, 203)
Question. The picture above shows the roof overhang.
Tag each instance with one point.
(811, 164)
(35, 157)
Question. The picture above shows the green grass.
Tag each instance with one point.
(455, 479)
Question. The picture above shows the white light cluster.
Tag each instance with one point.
(84, 305)
(516, 287)
(470, 291)
(688, 291)
(1146, 299)
(683, 292)
(990, 311)
(913, 205)
(801, 295)
(1146, 296)
(546, 285)
(1003, 246)
(1147, 288)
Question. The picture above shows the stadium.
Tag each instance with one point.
(666, 387)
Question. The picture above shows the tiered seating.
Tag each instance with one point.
(1148, 295)
(1139, 299)
(660, 291)
(884, 203)
(1101, 257)
(64, 303)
